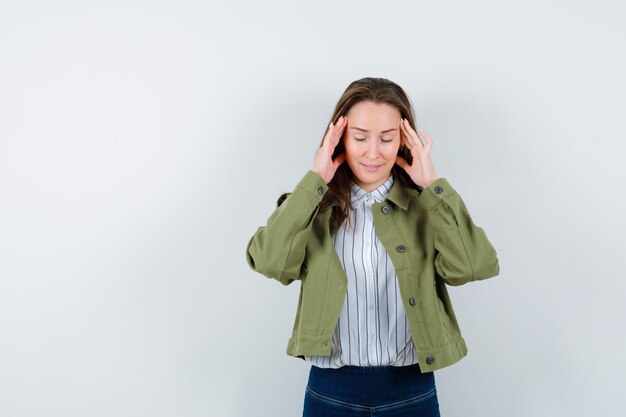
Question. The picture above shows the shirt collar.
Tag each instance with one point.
(358, 195)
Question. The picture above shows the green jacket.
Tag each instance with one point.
(430, 237)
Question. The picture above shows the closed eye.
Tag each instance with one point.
(383, 139)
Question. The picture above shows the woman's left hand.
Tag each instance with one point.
(422, 171)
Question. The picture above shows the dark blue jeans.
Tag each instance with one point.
(381, 391)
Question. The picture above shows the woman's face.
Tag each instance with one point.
(372, 140)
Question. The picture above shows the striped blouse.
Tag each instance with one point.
(372, 329)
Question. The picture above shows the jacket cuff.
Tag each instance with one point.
(313, 184)
(436, 192)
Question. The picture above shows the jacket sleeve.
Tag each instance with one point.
(277, 250)
(464, 253)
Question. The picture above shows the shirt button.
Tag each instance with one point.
(385, 209)
(371, 308)
(438, 190)
(412, 301)
(401, 248)
(320, 190)
(430, 360)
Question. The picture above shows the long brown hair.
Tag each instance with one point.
(378, 91)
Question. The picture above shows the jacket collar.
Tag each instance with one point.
(399, 195)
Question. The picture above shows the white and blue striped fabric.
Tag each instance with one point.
(372, 329)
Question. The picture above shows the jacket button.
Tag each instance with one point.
(412, 301)
(320, 190)
(438, 190)
(430, 360)
(401, 248)
(385, 209)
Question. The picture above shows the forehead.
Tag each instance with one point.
(373, 116)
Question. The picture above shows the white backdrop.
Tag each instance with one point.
(143, 142)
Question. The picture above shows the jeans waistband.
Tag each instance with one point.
(371, 385)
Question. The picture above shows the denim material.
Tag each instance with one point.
(381, 391)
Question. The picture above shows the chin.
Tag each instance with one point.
(370, 177)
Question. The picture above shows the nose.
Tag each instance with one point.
(372, 150)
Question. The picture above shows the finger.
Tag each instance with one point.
(414, 134)
(405, 137)
(338, 130)
(331, 128)
(426, 138)
(408, 143)
(328, 136)
(411, 134)
(402, 163)
(405, 141)
(341, 122)
(411, 143)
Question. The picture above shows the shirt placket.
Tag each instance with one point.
(370, 283)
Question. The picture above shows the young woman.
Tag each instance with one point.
(374, 235)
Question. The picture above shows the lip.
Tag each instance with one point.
(371, 168)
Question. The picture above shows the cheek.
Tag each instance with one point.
(352, 149)
(392, 152)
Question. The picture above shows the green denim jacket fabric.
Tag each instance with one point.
(430, 237)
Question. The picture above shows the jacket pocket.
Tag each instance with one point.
(444, 319)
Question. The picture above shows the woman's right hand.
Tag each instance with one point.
(324, 164)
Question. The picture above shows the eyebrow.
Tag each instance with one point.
(367, 131)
